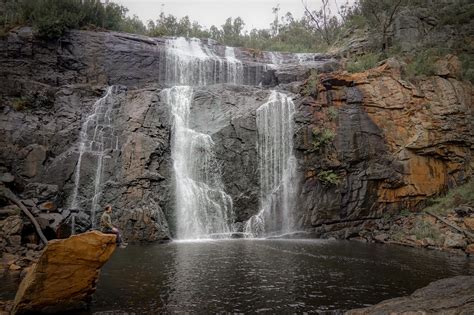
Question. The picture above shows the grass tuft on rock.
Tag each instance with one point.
(461, 195)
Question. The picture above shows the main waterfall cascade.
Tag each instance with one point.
(277, 167)
(203, 208)
(98, 139)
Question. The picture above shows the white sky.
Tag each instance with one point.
(255, 13)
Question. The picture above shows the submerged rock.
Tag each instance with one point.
(446, 296)
(66, 274)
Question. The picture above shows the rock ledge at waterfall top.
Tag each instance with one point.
(66, 274)
(446, 296)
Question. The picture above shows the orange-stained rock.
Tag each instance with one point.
(427, 127)
(397, 143)
(66, 273)
(449, 66)
(469, 223)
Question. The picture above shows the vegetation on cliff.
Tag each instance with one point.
(376, 27)
(52, 18)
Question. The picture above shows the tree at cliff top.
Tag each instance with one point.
(381, 15)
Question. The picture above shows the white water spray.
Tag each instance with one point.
(277, 167)
(190, 62)
(202, 206)
(234, 67)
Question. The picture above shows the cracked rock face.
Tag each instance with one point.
(366, 143)
(393, 145)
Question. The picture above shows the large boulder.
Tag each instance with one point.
(446, 296)
(65, 276)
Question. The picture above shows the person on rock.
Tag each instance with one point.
(107, 227)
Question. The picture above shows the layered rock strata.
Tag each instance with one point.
(64, 278)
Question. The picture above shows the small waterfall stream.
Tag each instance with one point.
(277, 167)
(234, 67)
(97, 138)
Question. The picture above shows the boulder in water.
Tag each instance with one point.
(65, 276)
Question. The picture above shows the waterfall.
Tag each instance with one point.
(190, 62)
(202, 206)
(234, 67)
(186, 62)
(277, 166)
(97, 139)
(275, 58)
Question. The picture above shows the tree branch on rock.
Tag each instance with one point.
(7, 193)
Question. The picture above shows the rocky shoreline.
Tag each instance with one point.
(447, 296)
(421, 230)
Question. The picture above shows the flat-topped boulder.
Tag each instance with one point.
(65, 276)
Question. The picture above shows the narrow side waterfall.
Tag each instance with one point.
(277, 167)
(203, 209)
(97, 139)
(234, 67)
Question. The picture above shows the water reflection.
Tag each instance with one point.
(274, 276)
(266, 275)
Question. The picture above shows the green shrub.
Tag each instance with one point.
(467, 61)
(332, 113)
(322, 138)
(460, 195)
(422, 65)
(363, 63)
(405, 213)
(310, 88)
(329, 178)
(21, 103)
(458, 13)
(51, 18)
(424, 229)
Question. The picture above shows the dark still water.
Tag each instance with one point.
(276, 276)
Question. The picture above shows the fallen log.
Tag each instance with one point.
(454, 226)
(13, 198)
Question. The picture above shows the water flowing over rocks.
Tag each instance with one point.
(364, 144)
(277, 167)
(202, 206)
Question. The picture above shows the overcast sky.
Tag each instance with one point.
(255, 13)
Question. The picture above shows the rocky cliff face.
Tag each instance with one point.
(366, 143)
(393, 144)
